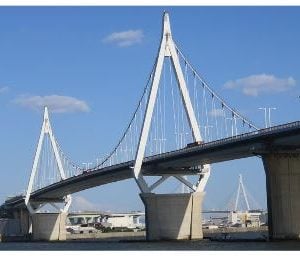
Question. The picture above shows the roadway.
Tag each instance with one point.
(282, 138)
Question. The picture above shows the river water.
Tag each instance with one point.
(142, 245)
(240, 242)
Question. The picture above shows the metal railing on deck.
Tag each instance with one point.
(232, 138)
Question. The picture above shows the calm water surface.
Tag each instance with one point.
(143, 245)
(251, 241)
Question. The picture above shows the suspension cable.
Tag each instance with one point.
(251, 125)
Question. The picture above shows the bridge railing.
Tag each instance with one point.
(212, 143)
(235, 138)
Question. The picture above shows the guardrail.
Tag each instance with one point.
(231, 139)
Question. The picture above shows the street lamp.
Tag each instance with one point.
(266, 122)
(270, 116)
(267, 119)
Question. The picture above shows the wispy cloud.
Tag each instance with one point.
(79, 203)
(125, 38)
(261, 84)
(55, 103)
(4, 89)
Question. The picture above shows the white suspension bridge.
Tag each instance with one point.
(179, 127)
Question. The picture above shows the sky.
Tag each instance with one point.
(90, 65)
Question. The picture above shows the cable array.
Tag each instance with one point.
(47, 169)
(169, 130)
(217, 119)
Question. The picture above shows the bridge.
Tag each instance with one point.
(205, 130)
(282, 138)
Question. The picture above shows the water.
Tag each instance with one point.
(125, 245)
(142, 245)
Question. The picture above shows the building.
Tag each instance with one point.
(112, 220)
(127, 220)
(245, 219)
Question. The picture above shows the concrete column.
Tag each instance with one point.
(25, 221)
(49, 226)
(173, 216)
(283, 193)
(23, 216)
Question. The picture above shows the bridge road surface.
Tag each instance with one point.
(282, 138)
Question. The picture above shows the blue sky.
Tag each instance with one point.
(99, 58)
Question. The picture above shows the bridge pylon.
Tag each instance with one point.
(241, 188)
(170, 202)
(46, 227)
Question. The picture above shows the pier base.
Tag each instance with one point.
(49, 226)
(283, 193)
(23, 216)
(173, 216)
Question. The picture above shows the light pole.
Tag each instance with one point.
(266, 122)
(267, 119)
(270, 116)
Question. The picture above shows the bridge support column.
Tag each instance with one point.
(173, 216)
(25, 221)
(283, 193)
(49, 226)
(23, 216)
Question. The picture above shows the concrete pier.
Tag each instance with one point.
(173, 216)
(49, 226)
(23, 216)
(283, 193)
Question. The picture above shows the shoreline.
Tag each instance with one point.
(210, 234)
(141, 235)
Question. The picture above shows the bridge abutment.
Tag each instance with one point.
(283, 193)
(173, 216)
(49, 226)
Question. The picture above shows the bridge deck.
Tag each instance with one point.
(283, 138)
